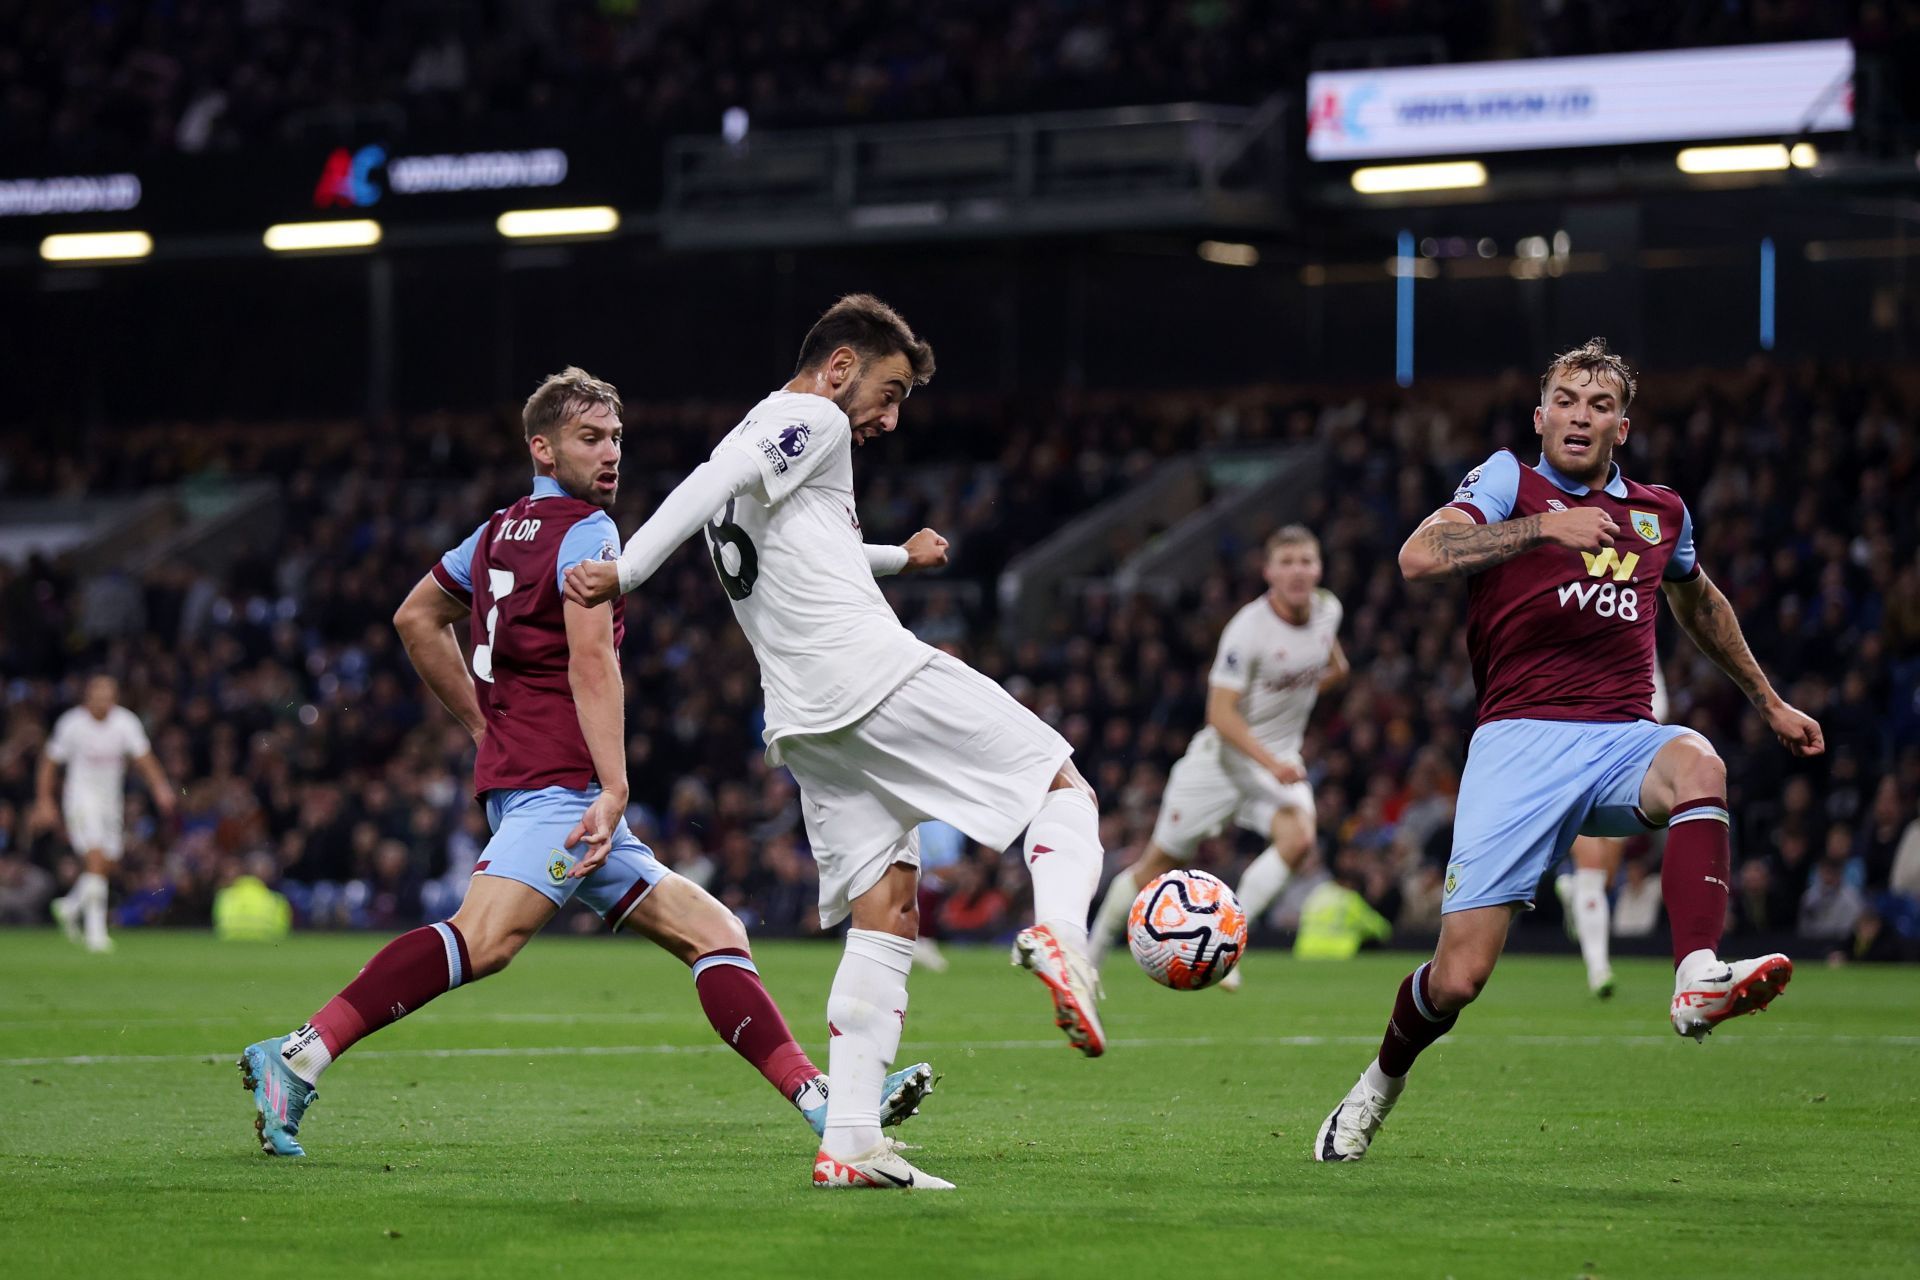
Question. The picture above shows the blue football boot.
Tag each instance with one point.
(280, 1097)
(900, 1097)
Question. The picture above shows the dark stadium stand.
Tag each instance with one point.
(115, 80)
(277, 691)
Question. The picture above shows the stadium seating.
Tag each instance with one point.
(277, 691)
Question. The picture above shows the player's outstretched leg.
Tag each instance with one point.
(1426, 1007)
(1063, 857)
(494, 922)
(1694, 882)
(281, 1072)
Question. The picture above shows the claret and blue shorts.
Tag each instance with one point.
(530, 829)
(1530, 787)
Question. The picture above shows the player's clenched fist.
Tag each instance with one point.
(926, 550)
(1582, 529)
(593, 582)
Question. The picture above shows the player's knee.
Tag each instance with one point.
(1703, 774)
(1072, 777)
(1455, 984)
(488, 952)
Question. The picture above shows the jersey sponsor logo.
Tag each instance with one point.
(1646, 524)
(1607, 599)
(793, 441)
(774, 457)
(1611, 561)
(519, 530)
(1554, 504)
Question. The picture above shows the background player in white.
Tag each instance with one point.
(1244, 767)
(880, 730)
(1583, 890)
(94, 741)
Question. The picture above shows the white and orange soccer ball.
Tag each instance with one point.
(1187, 930)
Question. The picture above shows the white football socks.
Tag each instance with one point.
(305, 1054)
(1262, 883)
(865, 1013)
(1064, 859)
(1590, 922)
(90, 895)
(1111, 919)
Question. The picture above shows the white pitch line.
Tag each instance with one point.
(933, 1047)
(249, 1019)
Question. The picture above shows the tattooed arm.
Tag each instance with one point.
(1452, 545)
(1704, 614)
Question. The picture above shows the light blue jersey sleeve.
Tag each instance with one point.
(1489, 490)
(459, 562)
(594, 538)
(1685, 562)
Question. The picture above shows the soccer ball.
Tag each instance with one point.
(1187, 930)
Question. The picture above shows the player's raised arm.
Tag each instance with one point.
(1705, 614)
(425, 621)
(728, 474)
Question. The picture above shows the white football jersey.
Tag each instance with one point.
(95, 753)
(790, 557)
(1276, 668)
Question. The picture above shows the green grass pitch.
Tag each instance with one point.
(575, 1116)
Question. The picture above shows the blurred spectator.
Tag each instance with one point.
(1336, 921)
(246, 910)
(25, 891)
(975, 908)
(1831, 906)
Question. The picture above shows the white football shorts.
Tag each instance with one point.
(96, 826)
(948, 743)
(1209, 789)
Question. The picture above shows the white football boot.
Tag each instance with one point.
(881, 1169)
(1072, 981)
(1231, 982)
(1708, 991)
(1348, 1131)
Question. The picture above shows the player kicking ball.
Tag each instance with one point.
(1244, 767)
(544, 704)
(1564, 557)
(93, 742)
(881, 731)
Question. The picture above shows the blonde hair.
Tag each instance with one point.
(564, 396)
(1290, 535)
(1593, 359)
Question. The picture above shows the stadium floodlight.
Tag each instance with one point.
(96, 246)
(1753, 157)
(1447, 175)
(591, 220)
(301, 237)
(1226, 253)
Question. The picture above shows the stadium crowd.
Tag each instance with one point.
(277, 696)
(114, 79)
